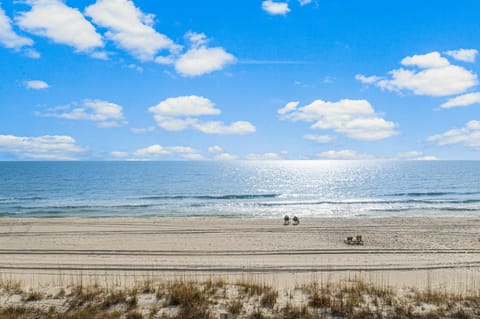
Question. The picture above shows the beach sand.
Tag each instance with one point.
(415, 252)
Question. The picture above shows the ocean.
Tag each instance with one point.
(240, 188)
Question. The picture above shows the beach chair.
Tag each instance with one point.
(296, 221)
(358, 240)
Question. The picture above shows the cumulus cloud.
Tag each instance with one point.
(156, 151)
(36, 85)
(47, 147)
(462, 100)
(290, 106)
(185, 106)
(130, 28)
(239, 127)
(469, 135)
(344, 155)
(275, 8)
(60, 23)
(355, 118)
(426, 61)
(264, 157)
(367, 79)
(215, 149)
(430, 74)
(8, 37)
(465, 55)
(200, 59)
(180, 113)
(106, 114)
(319, 138)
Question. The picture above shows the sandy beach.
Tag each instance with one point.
(441, 252)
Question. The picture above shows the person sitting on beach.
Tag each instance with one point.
(286, 220)
(296, 221)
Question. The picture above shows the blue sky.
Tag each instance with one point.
(213, 80)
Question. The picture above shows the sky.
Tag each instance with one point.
(253, 80)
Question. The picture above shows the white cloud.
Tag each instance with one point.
(319, 138)
(154, 151)
(304, 2)
(426, 61)
(239, 127)
(142, 130)
(275, 8)
(462, 100)
(106, 114)
(200, 59)
(100, 55)
(165, 59)
(62, 24)
(465, 55)
(36, 85)
(179, 113)
(8, 37)
(367, 79)
(174, 123)
(225, 157)
(130, 28)
(196, 39)
(344, 155)
(415, 156)
(432, 75)
(264, 157)
(468, 136)
(215, 149)
(355, 118)
(427, 158)
(32, 54)
(185, 106)
(289, 107)
(48, 147)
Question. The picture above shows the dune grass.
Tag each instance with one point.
(245, 299)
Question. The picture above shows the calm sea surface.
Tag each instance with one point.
(245, 189)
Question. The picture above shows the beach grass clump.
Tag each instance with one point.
(114, 298)
(269, 298)
(296, 312)
(247, 299)
(147, 286)
(32, 295)
(251, 287)
(235, 307)
(190, 300)
(257, 313)
(11, 286)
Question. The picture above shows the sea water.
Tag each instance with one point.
(240, 188)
